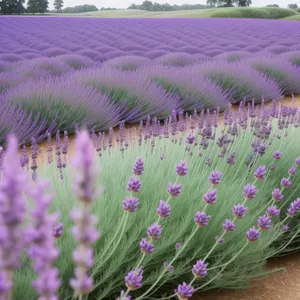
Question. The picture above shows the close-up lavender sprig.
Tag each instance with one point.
(12, 214)
(84, 231)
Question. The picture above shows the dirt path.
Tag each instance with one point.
(285, 286)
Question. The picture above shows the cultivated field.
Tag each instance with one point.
(197, 187)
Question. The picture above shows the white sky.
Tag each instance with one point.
(126, 3)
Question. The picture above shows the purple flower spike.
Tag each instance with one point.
(201, 219)
(58, 230)
(210, 197)
(12, 211)
(5, 285)
(250, 191)
(277, 155)
(134, 185)
(252, 234)
(292, 170)
(190, 139)
(168, 267)
(154, 231)
(184, 291)
(146, 247)
(297, 161)
(272, 167)
(294, 207)
(138, 167)
(286, 228)
(260, 172)
(164, 209)
(273, 211)
(277, 195)
(264, 222)
(200, 269)
(130, 204)
(239, 211)
(228, 225)
(174, 190)
(134, 279)
(215, 177)
(182, 168)
(285, 182)
(123, 297)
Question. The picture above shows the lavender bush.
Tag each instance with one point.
(204, 209)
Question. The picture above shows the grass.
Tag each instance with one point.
(226, 12)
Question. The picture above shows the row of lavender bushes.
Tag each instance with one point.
(183, 206)
(52, 97)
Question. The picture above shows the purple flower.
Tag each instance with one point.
(168, 267)
(285, 182)
(264, 222)
(277, 155)
(260, 172)
(286, 228)
(231, 159)
(272, 167)
(210, 197)
(190, 139)
(250, 191)
(12, 210)
(58, 230)
(5, 285)
(292, 170)
(154, 231)
(41, 244)
(84, 231)
(239, 211)
(130, 204)
(178, 245)
(215, 177)
(252, 234)
(164, 209)
(84, 168)
(138, 167)
(134, 185)
(297, 161)
(228, 225)
(146, 247)
(294, 207)
(174, 190)
(182, 168)
(200, 269)
(273, 211)
(201, 219)
(184, 291)
(84, 283)
(277, 195)
(123, 297)
(134, 279)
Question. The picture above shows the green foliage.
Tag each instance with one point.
(113, 261)
(10, 7)
(58, 4)
(80, 9)
(259, 13)
(37, 6)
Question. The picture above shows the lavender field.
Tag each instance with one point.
(197, 196)
(55, 72)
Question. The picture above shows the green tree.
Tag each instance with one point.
(58, 5)
(9, 7)
(212, 3)
(146, 5)
(293, 6)
(225, 3)
(133, 6)
(244, 2)
(37, 6)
